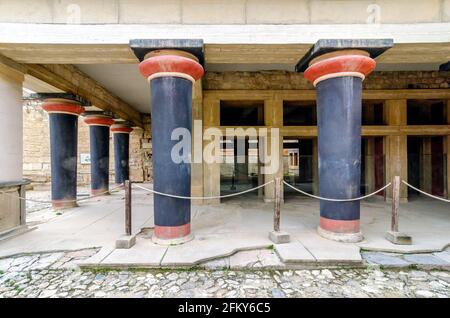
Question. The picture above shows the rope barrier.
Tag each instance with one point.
(202, 198)
(427, 194)
(62, 201)
(336, 200)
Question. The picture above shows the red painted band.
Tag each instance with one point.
(121, 129)
(172, 232)
(63, 108)
(340, 226)
(64, 204)
(345, 63)
(171, 63)
(96, 192)
(101, 121)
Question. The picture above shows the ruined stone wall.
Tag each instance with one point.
(291, 80)
(36, 148)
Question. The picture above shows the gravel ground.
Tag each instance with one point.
(56, 275)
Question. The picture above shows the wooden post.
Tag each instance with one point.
(277, 205)
(395, 203)
(394, 236)
(127, 207)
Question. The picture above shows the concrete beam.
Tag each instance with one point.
(70, 79)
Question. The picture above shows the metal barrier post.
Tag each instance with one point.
(394, 235)
(276, 235)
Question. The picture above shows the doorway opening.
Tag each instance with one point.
(239, 168)
(426, 165)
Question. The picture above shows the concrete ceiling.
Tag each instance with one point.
(125, 81)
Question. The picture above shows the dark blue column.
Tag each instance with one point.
(171, 109)
(121, 135)
(63, 121)
(171, 77)
(339, 145)
(337, 76)
(99, 149)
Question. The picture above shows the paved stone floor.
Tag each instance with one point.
(56, 275)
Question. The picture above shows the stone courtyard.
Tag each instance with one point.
(56, 275)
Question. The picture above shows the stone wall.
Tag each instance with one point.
(36, 144)
(279, 80)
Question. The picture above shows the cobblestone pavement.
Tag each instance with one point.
(56, 275)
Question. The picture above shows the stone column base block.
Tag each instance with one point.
(280, 237)
(340, 237)
(62, 204)
(126, 241)
(173, 241)
(398, 238)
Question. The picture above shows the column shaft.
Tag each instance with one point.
(63, 148)
(63, 121)
(339, 143)
(171, 74)
(121, 153)
(99, 149)
(171, 109)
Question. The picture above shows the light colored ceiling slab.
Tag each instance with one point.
(124, 80)
(239, 56)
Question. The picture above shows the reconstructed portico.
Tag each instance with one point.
(340, 137)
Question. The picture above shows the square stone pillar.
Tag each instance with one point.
(12, 185)
(273, 115)
(396, 146)
(211, 168)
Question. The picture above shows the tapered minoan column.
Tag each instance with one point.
(337, 68)
(121, 135)
(63, 119)
(99, 148)
(171, 74)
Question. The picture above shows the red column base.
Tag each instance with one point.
(63, 204)
(171, 235)
(99, 192)
(347, 231)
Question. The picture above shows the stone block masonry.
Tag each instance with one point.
(36, 139)
(291, 80)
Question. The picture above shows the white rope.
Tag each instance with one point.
(62, 201)
(336, 200)
(423, 192)
(201, 198)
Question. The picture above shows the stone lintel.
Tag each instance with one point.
(141, 47)
(374, 47)
(68, 96)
